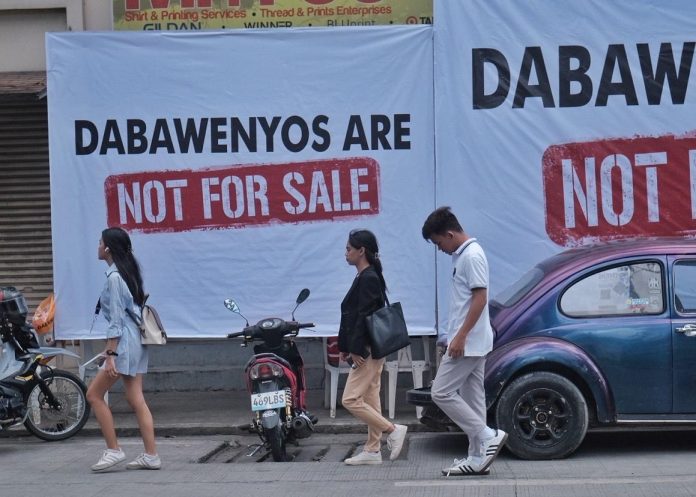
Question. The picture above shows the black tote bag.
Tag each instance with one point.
(387, 330)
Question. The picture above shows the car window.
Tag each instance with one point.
(620, 290)
(685, 287)
(513, 293)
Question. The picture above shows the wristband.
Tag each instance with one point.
(111, 353)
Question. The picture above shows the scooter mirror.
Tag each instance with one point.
(304, 293)
(232, 306)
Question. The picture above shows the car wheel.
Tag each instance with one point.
(544, 414)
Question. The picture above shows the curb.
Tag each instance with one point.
(239, 430)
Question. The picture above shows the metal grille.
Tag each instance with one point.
(26, 260)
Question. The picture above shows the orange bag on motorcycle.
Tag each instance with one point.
(43, 316)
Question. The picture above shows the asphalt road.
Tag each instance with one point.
(613, 464)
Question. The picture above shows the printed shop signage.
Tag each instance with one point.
(556, 125)
(608, 188)
(560, 126)
(244, 194)
(170, 15)
(243, 183)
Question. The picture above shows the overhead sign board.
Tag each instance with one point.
(193, 15)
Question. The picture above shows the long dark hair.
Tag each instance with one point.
(367, 240)
(121, 250)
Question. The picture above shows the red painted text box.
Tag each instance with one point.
(243, 195)
(620, 188)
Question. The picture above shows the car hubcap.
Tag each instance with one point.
(542, 416)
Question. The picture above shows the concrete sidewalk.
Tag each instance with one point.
(191, 413)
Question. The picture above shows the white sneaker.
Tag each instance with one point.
(145, 461)
(364, 458)
(395, 441)
(489, 448)
(467, 467)
(110, 458)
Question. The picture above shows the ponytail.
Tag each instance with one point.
(119, 244)
(373, 259)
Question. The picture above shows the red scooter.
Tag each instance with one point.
(275, 380)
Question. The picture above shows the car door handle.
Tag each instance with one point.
(689, 330)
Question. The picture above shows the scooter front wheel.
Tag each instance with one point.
(61, 421)
(276, 440)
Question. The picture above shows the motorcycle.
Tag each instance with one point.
(51, 403)
(275, 380)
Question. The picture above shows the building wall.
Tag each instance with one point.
(98, 15)
(23, 24)
(21, 37)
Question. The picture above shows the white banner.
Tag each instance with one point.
(564, 122)
(239, 162)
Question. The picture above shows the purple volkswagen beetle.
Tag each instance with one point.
(603, 335)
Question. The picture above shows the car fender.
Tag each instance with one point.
(526, 355)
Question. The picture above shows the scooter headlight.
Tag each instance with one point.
(265, 370)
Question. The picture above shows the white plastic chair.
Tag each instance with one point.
(404, 363)
(331, 374)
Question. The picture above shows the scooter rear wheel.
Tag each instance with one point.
(276, 440)
(49, 423)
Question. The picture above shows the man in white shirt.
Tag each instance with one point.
(458, 387)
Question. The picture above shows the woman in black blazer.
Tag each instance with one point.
(361, 394)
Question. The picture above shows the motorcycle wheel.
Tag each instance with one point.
(52, 424)
(276, 440)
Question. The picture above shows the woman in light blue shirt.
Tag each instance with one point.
(124, 357)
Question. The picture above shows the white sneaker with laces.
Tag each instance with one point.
(466, 467)
(490, 447)
(145, 461)
(110, 458)
(395, 441)
(364, 458)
